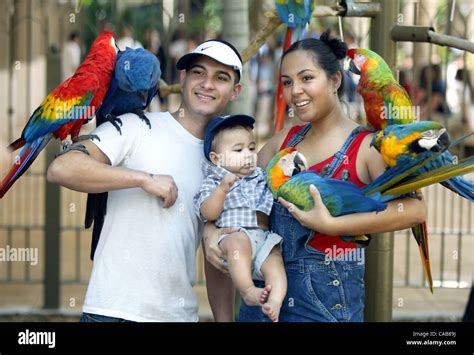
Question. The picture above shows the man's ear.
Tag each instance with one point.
(236, 91)
(182, 77)
(215, 158)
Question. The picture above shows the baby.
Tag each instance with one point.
(234, 194)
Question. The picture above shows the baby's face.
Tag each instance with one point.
(235, 151)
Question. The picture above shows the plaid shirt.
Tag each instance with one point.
(248, 195)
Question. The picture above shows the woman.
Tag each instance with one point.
(325, 274)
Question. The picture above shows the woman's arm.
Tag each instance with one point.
(399, 214)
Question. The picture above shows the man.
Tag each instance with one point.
(144, 265)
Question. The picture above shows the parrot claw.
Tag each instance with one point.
(143, 117)
(115, 121)
(68, 147)
(85, 137)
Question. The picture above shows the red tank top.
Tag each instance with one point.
(331, 244)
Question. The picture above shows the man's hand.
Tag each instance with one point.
(162, 186)
(227, 182)
(318, 218)
(214, 254)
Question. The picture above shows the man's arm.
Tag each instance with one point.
(93, 174)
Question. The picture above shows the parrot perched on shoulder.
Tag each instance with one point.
(296, 14)
(133, 86)
(387, 103)
(66, 108)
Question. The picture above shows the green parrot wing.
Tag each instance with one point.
(297, 192)
(398, 105)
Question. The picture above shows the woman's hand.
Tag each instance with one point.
(318, 218)
(213, 253)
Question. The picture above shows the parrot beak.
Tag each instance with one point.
(353, 68)
(435, 141)
(143, 96)
(300, 163)
(443, 141)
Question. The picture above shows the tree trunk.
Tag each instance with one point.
(236, 32)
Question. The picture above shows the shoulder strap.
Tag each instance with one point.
(298, 136)
(329, 170)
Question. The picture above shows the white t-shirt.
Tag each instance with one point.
(145, 263)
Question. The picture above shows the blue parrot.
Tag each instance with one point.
(133, 86)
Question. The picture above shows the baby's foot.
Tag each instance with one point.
(265, 293)
(252, 296)
(272, 309)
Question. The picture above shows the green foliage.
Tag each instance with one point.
(213, 12)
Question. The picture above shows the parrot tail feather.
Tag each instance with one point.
(421, 236)
(26, 158)
(465, 166)
(20, 142)
(461, 186)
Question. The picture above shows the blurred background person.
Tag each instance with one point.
(70, 55)
(126, 39)
(154, 45)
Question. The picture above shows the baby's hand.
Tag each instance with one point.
(228, 181)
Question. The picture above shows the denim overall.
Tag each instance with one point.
(320, 289)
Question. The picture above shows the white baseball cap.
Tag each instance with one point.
(221, 51)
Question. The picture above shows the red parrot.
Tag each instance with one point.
(66, 108)
(296, 14)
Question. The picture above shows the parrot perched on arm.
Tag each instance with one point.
(387, 103)
(133, 86)
(286, 178)
(296, 14)
(66, 108)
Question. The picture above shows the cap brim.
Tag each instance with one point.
(243, 120)
(186, 60)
